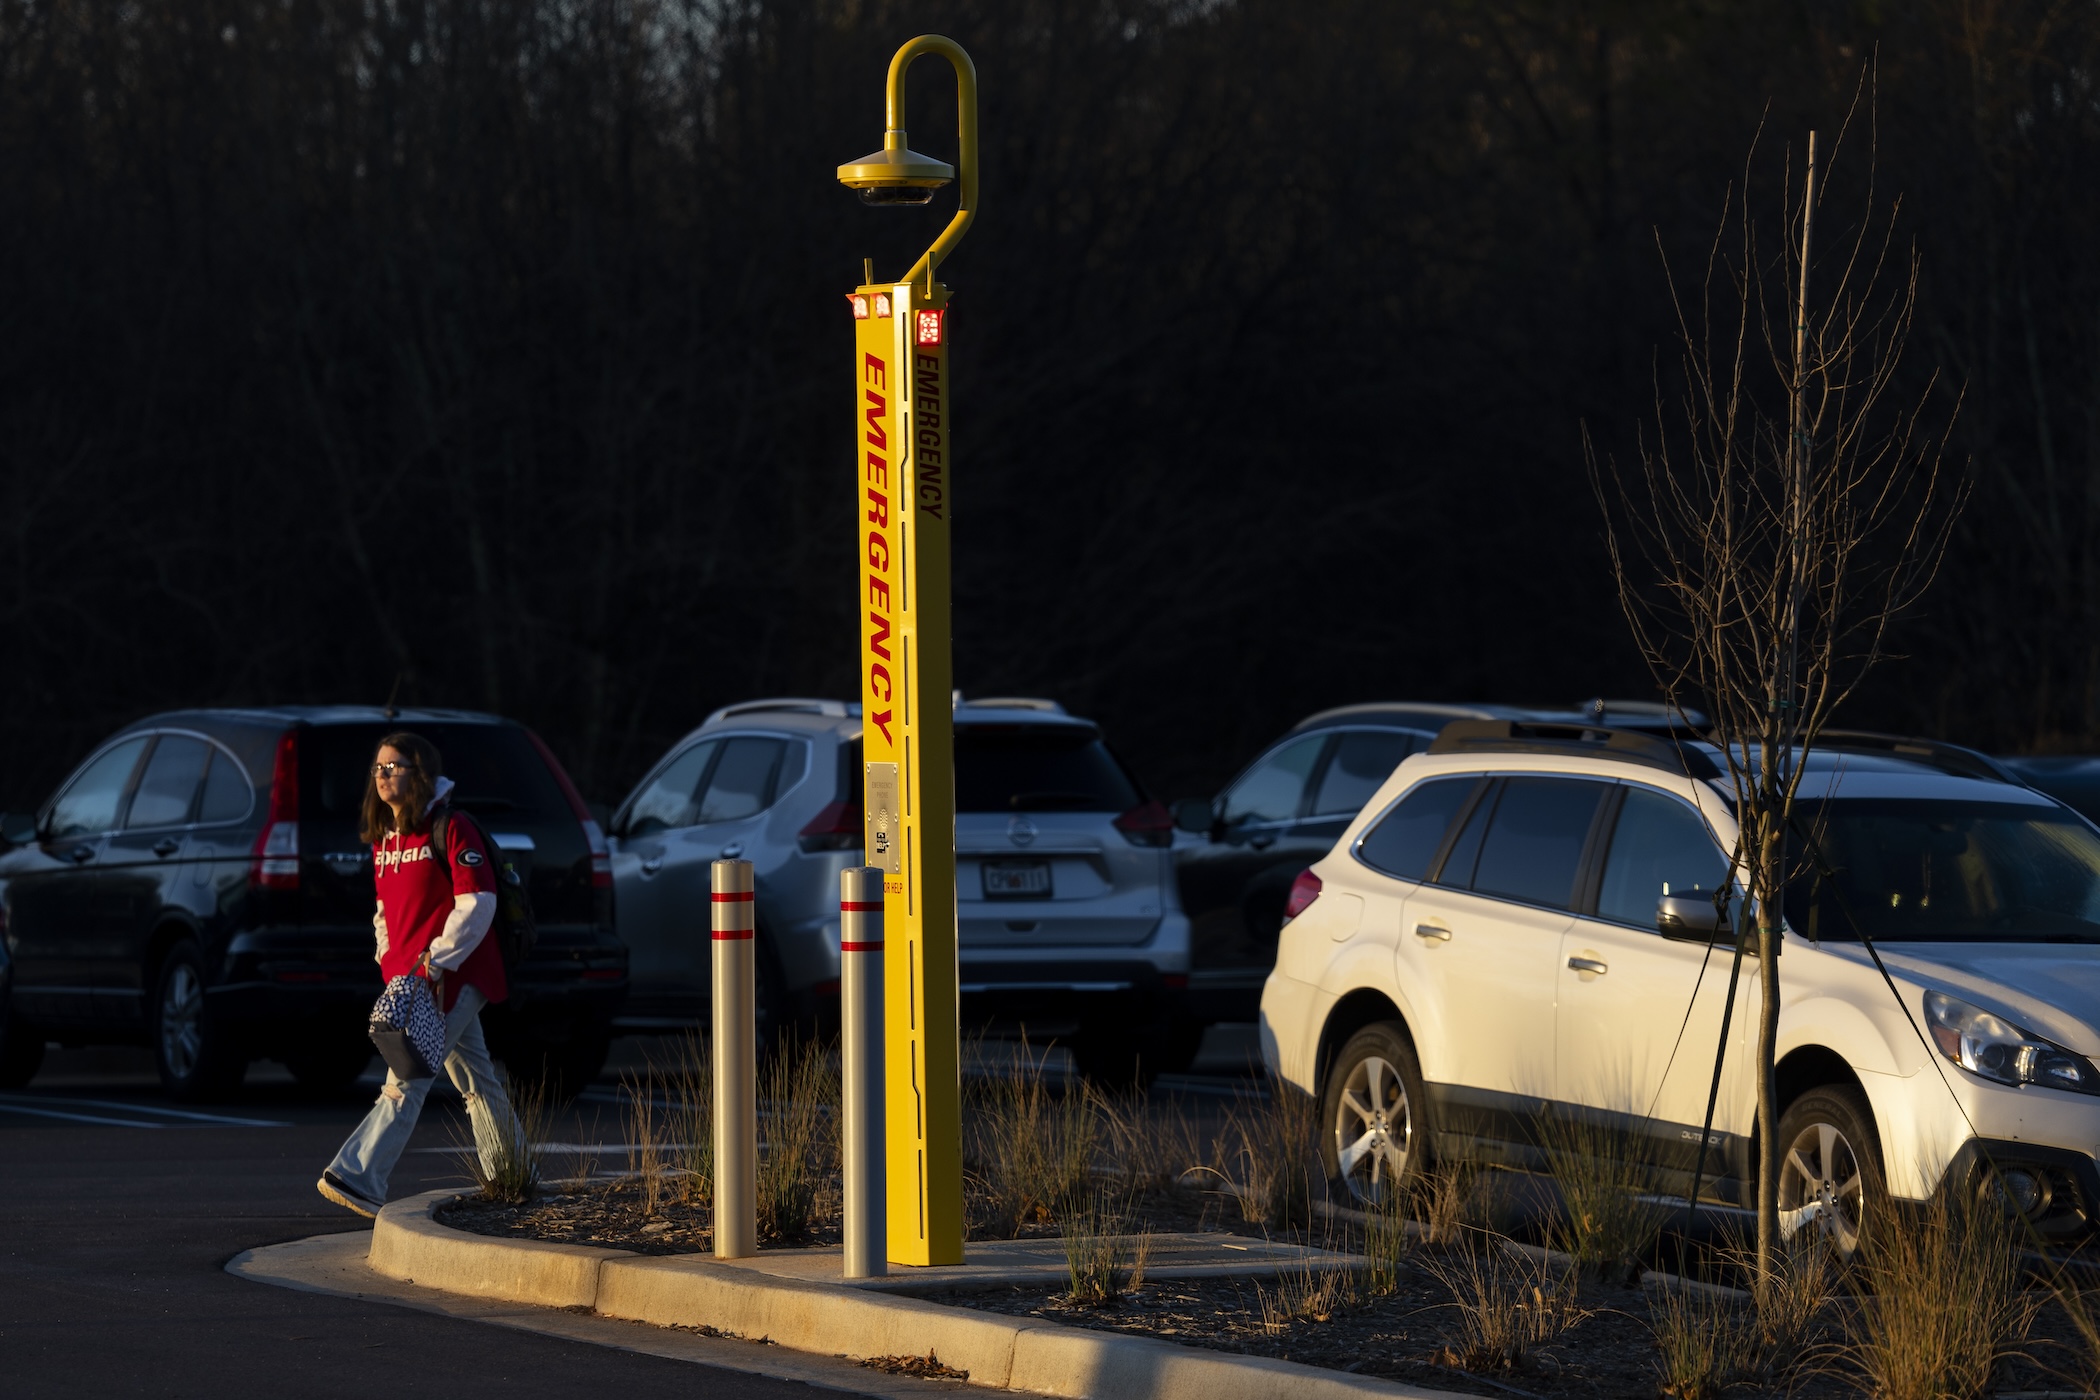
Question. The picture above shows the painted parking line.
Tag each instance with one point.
(77, 1117)
(37, 1105)
(575, 1149)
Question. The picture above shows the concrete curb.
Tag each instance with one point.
(1010, 1353)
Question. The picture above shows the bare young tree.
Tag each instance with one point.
(1786, 503)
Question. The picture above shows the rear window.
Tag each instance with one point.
(1038, 768)
(495, 769)
(1407, 838)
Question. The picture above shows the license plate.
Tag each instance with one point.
(1016, 879)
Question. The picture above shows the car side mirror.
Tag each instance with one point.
(1689, 916)
(17, 828)
(1193, 814)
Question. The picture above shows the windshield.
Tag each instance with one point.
(1924, 871)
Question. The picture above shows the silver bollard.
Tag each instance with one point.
(736, 1064)
(860, 1072)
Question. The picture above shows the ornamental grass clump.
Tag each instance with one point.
(1606, 1177)
(1033, 1146)
(798, 1168)
(1104, 1259)
(1508, 1303)
(1945, 1306)
(504, 1158)
(1269, 1156)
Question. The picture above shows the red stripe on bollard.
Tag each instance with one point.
(861, 906)
(734, 896)
(731, 935)
(860, 947)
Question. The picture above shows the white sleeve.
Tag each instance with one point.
(379, 932)
(464, 928)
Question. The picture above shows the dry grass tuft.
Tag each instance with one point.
(1508, 1303)
(690, 1083)
(1387, 1245)
(1946, 1306)
(1033, 1146)
(1306, 1294)
(1269, 1156)
(1103, 1259)
(798, 1171)
(511, 1173)
(1607, 1180)
(1705, 1342)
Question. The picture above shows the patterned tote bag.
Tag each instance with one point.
(408, 1028)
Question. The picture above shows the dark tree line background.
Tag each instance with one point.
(497, 350)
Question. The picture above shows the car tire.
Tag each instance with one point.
(21, 1049)
(1830, 1176)
(192, 1049)
(1374, 1116)
(326, 1069)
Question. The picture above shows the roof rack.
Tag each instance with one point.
(1601, 709)
(1948, 758)
(829, 709)
(1412, 710)
(1011, 702)
(1573, 740)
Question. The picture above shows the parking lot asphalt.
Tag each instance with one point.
(119, 1210)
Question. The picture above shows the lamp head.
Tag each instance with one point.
(895, 174)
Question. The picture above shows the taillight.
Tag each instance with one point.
(1147, 824)
(593, 834)
(276, 865)
(601, 855)
(1304, 890)
(836, 828)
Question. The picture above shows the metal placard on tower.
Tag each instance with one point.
(900, 375)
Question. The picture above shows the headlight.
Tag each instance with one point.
(1997, 1049)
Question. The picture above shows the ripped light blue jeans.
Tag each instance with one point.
(368, 1158)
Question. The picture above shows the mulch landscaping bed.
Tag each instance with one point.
(1412, 1334)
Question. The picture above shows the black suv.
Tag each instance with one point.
(197, 885)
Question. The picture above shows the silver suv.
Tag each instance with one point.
(1069, 920)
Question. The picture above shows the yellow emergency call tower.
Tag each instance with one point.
(902, 504)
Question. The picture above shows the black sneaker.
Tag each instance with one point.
(331, 1186)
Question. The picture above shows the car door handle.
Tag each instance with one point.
(80, 853)
(652, 864)
(1435, 931)
(1587, 965)
(732, 850)
(166, 846)
(1262, 840)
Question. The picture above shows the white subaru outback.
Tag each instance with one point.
(1520, 925)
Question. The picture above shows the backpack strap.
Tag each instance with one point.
(440, 833)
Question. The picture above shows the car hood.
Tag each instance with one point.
(2051, 990)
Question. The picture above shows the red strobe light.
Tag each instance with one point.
(860, 306)
(926, 329)
(882, 306)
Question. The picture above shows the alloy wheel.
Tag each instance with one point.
(181, 1021)
(1373, 1129)
(1821, 1186)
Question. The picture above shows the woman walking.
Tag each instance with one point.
(435, 909)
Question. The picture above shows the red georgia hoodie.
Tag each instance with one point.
(443, 908)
